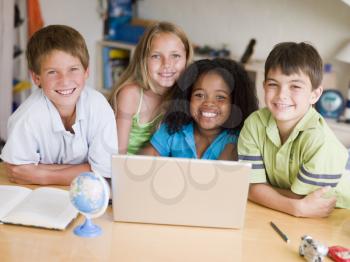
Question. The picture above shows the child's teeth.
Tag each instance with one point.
(65, 92)
(208, 114)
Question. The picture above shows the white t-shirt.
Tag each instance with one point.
(36, 133)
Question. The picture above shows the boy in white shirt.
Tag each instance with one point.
(63, 128)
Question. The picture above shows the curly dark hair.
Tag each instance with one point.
(243, 95)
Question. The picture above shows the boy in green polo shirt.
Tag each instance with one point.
(297, 161)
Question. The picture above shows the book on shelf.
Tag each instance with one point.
(45, 207)
(115, 61)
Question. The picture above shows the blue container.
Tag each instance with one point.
(119, 14)
(118, 8)
(126, 33)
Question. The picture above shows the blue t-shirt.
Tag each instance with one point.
(182, 143)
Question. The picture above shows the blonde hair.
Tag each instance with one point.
(137, 71)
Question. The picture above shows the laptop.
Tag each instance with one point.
(178, 191)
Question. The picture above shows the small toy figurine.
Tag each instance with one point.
(248, 51)
(312, 250)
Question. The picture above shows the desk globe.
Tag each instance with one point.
(331, 104)
(89, 194)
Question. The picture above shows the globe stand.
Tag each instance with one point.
(88, 229)
(89, 194)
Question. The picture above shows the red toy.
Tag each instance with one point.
(339, 254)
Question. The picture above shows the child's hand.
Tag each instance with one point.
(316, 204)
(45, 174)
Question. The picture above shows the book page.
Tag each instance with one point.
(44, 207)
(10, 196)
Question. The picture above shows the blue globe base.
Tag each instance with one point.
(88, 229)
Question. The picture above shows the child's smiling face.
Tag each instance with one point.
(210, 104)
(62, 78)
(289, 97)
(166, 61)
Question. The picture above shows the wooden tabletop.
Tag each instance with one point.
(145, 242)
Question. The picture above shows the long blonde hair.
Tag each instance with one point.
(137, 71)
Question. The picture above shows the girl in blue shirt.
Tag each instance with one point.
(211, 100)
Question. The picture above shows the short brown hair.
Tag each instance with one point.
(56, 37)
(293, 57)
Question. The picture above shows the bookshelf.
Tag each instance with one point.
(341, 130)
(113, 58)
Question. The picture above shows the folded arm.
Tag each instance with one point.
(311, 205)
(43, 174)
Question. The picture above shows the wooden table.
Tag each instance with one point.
(145, 242)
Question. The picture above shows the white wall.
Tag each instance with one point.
(6, 63)
(83, 16)
(324, 23)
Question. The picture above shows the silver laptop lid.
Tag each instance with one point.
(162, 190)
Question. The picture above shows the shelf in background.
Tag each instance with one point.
(112, 57)
(341, 130)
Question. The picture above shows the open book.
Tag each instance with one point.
(42, 207)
